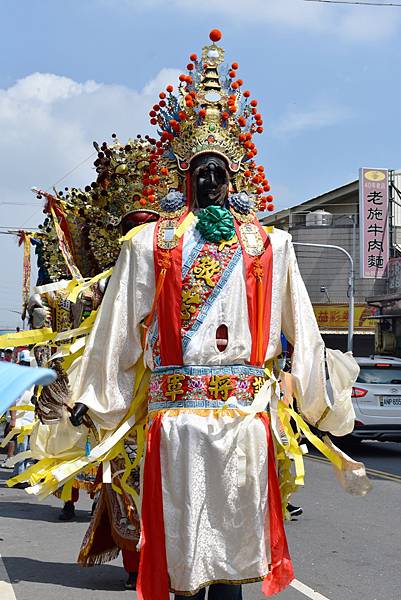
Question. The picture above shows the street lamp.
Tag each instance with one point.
(351, 291)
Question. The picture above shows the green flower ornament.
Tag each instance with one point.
(216, 224)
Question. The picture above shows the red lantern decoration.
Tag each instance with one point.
(215, 35)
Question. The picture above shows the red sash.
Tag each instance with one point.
(258, 275)
(281, 573)
(168, 271)
(153, 579)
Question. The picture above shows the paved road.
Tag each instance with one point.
(346, 548)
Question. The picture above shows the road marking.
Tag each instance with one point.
(6, 589)
(382, 474)
(307, 591)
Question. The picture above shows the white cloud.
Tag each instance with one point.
(48, 124)
(296, 121)
(354, 23)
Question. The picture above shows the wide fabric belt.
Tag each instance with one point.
(204, 387)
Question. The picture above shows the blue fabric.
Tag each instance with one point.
(284, 343)
(14, 380)
(21, 466)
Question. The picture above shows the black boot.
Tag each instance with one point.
(199, 596)
(67, 512)
(130, 584)
(294, 511)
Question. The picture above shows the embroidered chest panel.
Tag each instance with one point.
(205, 273)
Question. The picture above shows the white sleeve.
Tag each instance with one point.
(106, 377)
(308, 360)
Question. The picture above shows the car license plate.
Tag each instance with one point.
(390, 400)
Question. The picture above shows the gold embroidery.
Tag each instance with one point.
(206, 269)
(190, 301)
(174, 386)
(248, 218)
(225, 243)
(220, 385)
(225, 581)
(257, 384)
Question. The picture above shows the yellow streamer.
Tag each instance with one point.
(34, 473)
(42, 475)
(46, 335)
(293, 449)
(317, 442)
(66, 493)
(26, 338)
(181, 229)
(132, 233)
(68, 361)
(81, 286)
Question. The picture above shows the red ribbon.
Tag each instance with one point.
(281, 573)
(258, 274)
(153, 579)
(169, 298)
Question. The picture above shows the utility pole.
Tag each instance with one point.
(351, 290)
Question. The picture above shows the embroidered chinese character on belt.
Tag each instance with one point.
(174, 386)
(220, 386)
(257, 383)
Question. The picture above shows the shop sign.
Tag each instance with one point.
(335, 316)
(373, 222)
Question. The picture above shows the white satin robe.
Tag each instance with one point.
(215, 529)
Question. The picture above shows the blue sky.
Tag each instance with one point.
(326, 77)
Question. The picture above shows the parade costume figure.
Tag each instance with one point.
(80, 237)
(201, 298)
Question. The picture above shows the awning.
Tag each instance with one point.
(386, 298)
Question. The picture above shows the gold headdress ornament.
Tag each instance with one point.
(88, 219)
(121, 169)
(210, 114)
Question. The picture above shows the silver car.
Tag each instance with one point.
(377, 399)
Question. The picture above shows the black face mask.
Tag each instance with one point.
(210, 181)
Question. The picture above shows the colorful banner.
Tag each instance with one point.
(373, 222)
(65, 249)
(54, 207)
(25, 239)
(335, 317)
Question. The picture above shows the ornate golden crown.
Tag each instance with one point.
(211, 114)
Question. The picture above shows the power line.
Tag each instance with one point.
(75, 168)
(58, 181)
(356, 2)
(15, 203)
